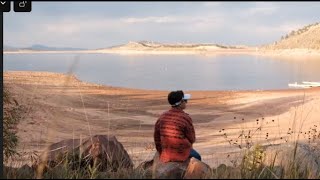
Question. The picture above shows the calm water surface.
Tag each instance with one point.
(171, 72)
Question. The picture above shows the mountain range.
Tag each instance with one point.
(39, 47)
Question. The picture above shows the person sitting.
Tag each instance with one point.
(174, 132)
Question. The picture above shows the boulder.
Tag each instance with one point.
(104, 151)
(197, 170)
(190, 169)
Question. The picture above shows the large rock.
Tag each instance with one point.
(197, 170)
(189, 169)
(107, 152)
(305, 157)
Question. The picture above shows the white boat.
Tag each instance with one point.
(312, 83)
(305, 84)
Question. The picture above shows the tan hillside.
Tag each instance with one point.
(307, 37)
(153, 46)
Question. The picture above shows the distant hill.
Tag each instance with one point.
(46, 48)
(307, 37)
(10, 48)
(39, 47)
(155, 46)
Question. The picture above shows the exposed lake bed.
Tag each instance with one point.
(61, 107)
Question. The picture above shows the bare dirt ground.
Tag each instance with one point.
(58, 106)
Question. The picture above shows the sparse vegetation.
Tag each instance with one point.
(65, 172)
(11, 118)
(146, 45)
(251, 166)
(307, 37)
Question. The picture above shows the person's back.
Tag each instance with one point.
(174, 132)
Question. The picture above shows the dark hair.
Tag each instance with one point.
(175, 96)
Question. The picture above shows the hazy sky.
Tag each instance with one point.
(103, 24)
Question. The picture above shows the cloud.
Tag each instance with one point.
(192, 22)
(69, 26)
(261, 8)
(68, 31)
(212, 4)
(108, 24)
(160, 19)
(61, 28)
(288, 27)
(259, 34)
(266, 29)
(205, 24)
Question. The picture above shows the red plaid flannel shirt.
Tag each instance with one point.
(174, 135)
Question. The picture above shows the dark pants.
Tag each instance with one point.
(195, 154)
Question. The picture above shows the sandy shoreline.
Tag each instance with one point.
(58, 106)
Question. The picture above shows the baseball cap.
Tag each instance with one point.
(186, 96)
(175, 97)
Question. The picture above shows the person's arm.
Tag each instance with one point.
(157, 139)
(190, 133)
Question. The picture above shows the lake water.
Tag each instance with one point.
(172, 72)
